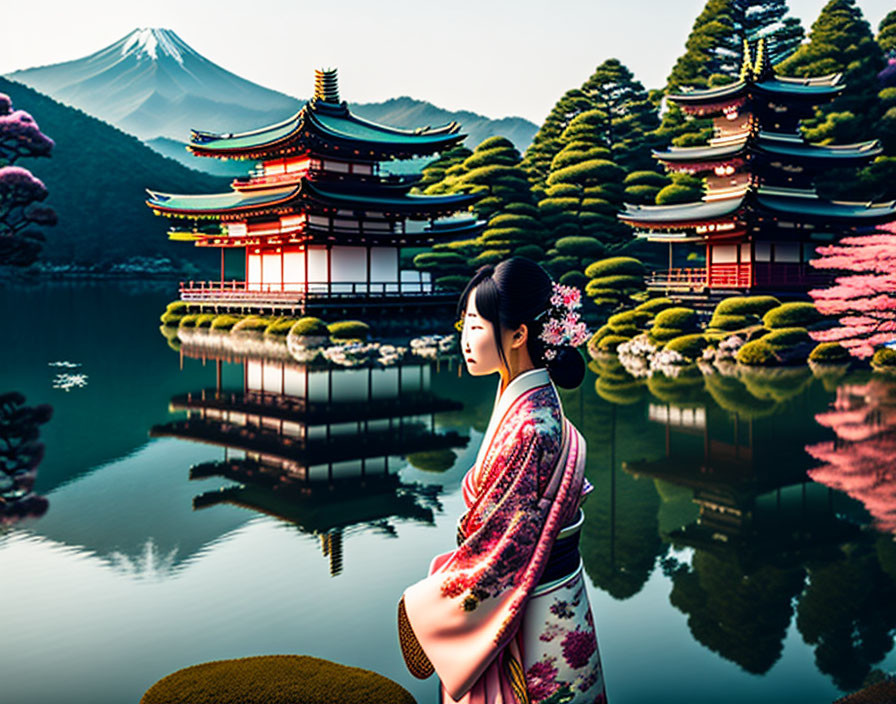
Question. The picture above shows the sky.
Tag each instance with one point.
(497, 58)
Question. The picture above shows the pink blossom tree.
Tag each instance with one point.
(20, 191)
(864, 302)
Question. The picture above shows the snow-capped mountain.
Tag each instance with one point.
(151, 83)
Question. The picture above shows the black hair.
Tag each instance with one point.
(512, 293)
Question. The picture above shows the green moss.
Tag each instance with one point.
(609, 343)
(786, 337)
(615, 266)
(349, 330)
(270, 679)
(310, 326)
(757, 353)
(660, 335)
(884, 357)
(797, 314)
(205, 320)
(180, 307)
(224, 322)
(252, 323)
(628, 318)
(171, 319)
(722, 321)
(655, 305)
(280, 328)
(676, 317)
(746, 305)
(690, 346)
(189, 321)
(829, 352)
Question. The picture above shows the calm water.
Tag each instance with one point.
(718, 570)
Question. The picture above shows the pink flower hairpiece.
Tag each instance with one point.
(562, 326)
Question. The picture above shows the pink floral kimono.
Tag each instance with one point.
(497, 620)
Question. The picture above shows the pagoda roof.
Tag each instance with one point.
(813, 87)
(305, 190)
(328, 128)
(776, 144)
(773, 200)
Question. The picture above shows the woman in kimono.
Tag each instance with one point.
(504, 618)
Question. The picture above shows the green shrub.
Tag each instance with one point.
(251, 323)
(179, 307)
(690, 346)
(574, 278)
(756, 353)
(609, 343)
(654, 305)
(452, 282)
(676, 317)
(797, 314)
(530, 251)
(349, 330)
(171, 319)
(722, 321)
(580, 246)
(746, 305)
(676, 193)
(599, 334)
(189, 321)
(628, 318)
(205, 320)
(830, 352)
(280, 328)
(310, 326)
(224, 322)
(614, 266)
(646, 178)
(786, 337)
(663, 335)
(884, 357)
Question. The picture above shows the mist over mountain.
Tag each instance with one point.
(152, 84)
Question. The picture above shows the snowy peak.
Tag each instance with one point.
(150, 42)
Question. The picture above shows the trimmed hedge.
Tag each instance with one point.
(574, 278)
(663, 335)
(797, 314)
(884, 357)
(690, 346)
(253, 323)
(628, 318)
(786, 337)
(757, 353)
(189, 321)
(205, 320)
(224, 322)
(830, 352)
(609, 343)
(676, 317)
(654, 305)
(615, 266)
(746, 305)
(732, 322)
(349, 330)
(280, 328)
(310, 326)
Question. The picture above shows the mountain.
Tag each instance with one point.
(96, 177)
(153, 85)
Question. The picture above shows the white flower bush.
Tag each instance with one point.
(433, 346)
(641, 358)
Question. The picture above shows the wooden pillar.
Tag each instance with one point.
(329, 269)
(368, 272)
(282, 256)
(222, 267)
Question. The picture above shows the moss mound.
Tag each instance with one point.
(676, 317)
(690, 346)
(224, 322)
(757, 353)
(654, 305)
(829, 353)
(797, 314)
(269, 679)
(746, 305)
(310, 326)
(349, 330)
(884, 358)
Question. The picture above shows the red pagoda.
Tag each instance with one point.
(760, 218)
(320, 224)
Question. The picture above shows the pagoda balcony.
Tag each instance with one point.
(777, 275)
(289, 294)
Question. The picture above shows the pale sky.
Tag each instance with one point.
(496, 58)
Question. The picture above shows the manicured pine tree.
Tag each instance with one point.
(434, 172)
(886, 35)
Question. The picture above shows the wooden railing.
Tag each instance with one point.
(730, 275)
(685, 277)
(296, 291)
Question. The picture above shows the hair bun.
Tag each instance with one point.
(567, 369)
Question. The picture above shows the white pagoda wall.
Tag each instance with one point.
(348, 265)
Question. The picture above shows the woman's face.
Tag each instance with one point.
(477, 342)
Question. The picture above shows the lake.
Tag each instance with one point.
(739, 544)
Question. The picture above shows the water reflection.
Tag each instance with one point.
(721, 471)
(20, 455)
(311, 443)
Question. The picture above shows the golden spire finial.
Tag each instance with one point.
(746, 68)
(326, 85)
(763, 66)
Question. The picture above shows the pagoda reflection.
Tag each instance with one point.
(762, 526)
(314, 444)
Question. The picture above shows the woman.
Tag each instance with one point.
(505, 618)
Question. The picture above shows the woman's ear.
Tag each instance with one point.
(520, 336)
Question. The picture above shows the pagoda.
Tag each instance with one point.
(760, 218)
(321, 225)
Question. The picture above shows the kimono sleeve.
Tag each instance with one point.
(467, 610)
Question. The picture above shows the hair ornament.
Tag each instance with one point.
(563, 326)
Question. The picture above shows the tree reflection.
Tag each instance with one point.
(20, 454)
